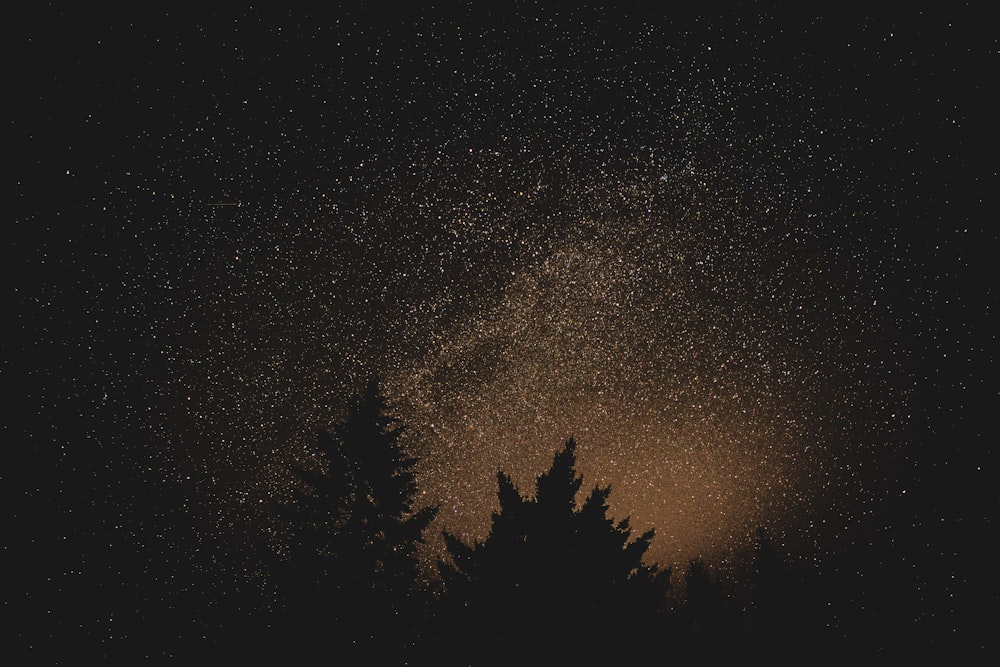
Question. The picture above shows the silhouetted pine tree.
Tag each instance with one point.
(552, 575)
(351, 577)
(711, 624)
(705, 601)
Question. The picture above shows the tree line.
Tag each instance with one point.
(555, 581)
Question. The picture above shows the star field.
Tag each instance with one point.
(735, 256)
(674, 302)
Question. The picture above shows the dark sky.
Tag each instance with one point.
(742, 252)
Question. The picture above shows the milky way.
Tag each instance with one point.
(687, 328)
(699, 245)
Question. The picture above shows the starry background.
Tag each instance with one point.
(738, 251)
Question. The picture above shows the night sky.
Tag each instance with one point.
(744, 253)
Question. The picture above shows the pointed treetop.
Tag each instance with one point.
(558, 486)
(369, 414)
(372, 390)
(510, 498)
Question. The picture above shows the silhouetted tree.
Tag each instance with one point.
(554, 575)
(710, 623)
(351, 576)
(704, 598)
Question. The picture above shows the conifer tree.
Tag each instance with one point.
(352, 573)
(552, 573)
